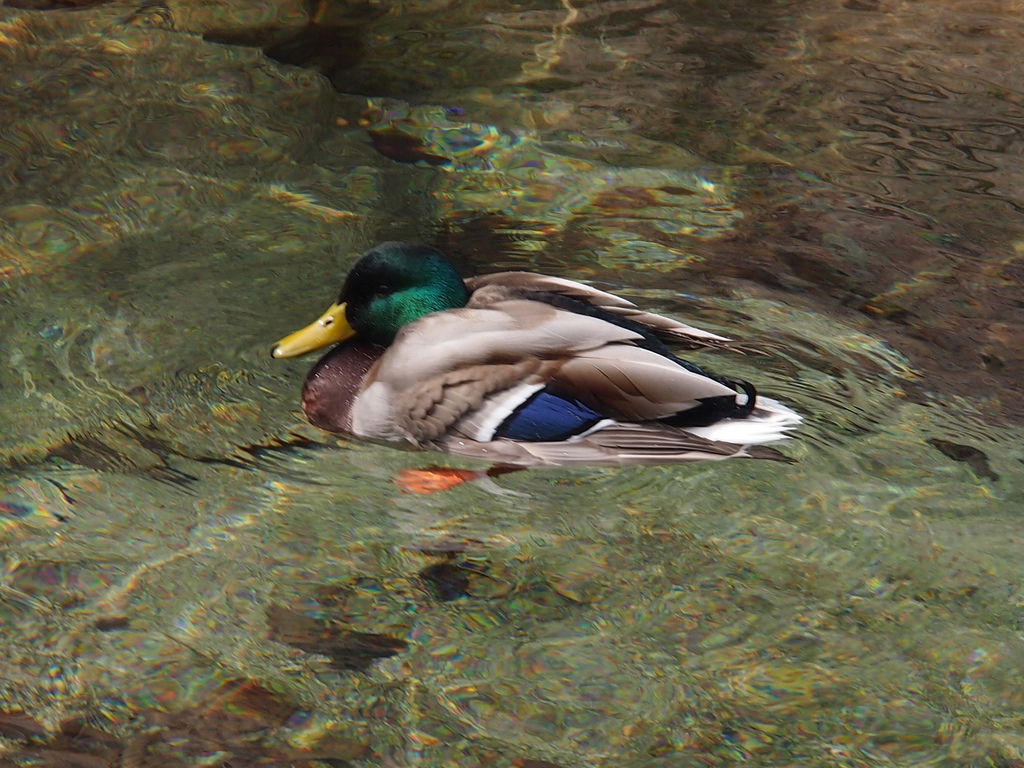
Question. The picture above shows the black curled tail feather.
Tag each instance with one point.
(743, 411)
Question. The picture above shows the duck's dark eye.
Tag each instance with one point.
(383, 289)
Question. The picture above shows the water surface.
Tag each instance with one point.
(194, 576)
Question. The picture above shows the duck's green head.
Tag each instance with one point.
(389, 287)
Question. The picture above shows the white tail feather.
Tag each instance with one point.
(770, 421)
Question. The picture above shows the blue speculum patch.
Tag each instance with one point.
(548, 417)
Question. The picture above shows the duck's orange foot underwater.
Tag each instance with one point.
(436, 479)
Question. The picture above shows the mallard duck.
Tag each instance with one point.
(519, 368)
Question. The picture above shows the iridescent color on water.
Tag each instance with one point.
(191, 575)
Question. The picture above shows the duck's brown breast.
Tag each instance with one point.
(334, 383)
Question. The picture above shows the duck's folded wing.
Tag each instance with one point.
(501, 286)
(495, 372)
(446, 365)
(631, 383)
(506, 332)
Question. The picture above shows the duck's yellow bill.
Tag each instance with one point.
(330, 328)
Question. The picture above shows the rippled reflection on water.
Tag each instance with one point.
(191, 575)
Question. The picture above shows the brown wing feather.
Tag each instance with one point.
(519, 284)
(634, 384)
(673, 330)
(502, 286)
